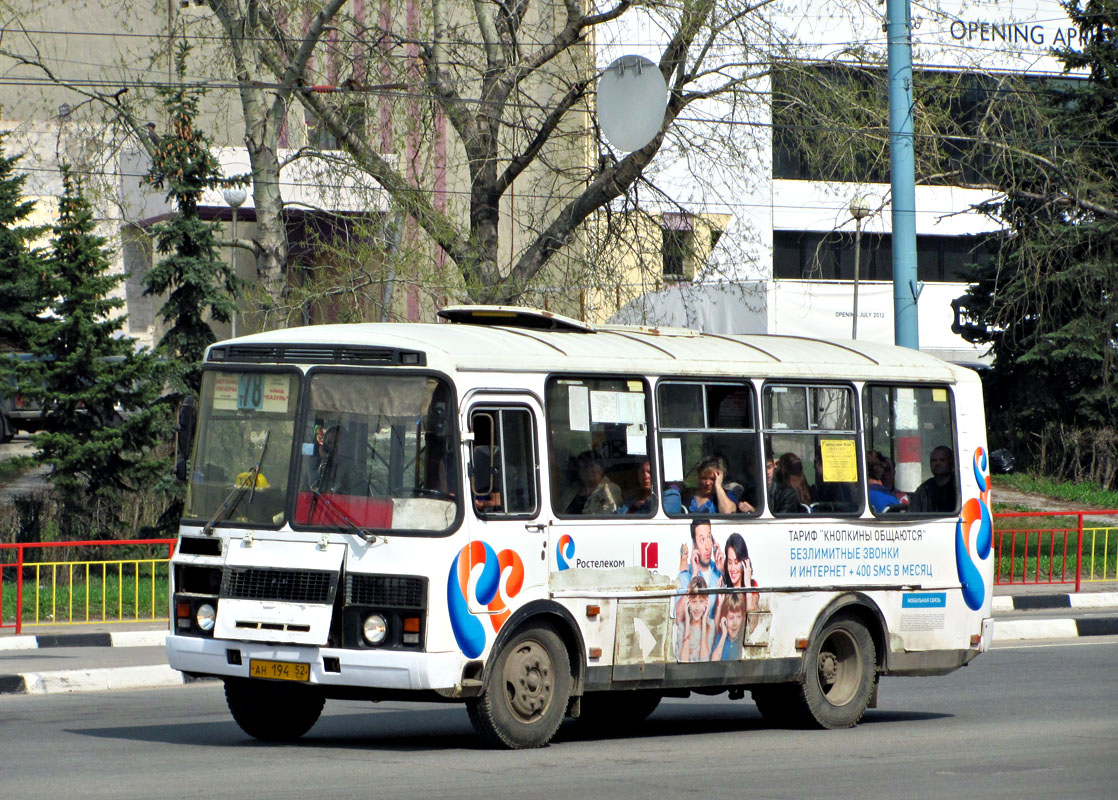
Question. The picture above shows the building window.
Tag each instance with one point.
(806, 255)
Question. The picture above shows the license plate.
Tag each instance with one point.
(279, 670)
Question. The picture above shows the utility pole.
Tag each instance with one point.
(906, 290)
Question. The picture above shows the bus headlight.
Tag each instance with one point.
(375, 629)
(204, 617)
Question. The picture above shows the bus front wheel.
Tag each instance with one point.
(271, 711)
(839, 674)
(527, 687)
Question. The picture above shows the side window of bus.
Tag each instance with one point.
(709, 450)
(910, 449)
(598, 439)
(811, 444)
(503, 462)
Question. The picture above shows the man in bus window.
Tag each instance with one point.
(938, 492)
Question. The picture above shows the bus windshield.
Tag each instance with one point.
(246, 423)
(376, 451)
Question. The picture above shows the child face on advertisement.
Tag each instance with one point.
(697, 604)
(733, 623)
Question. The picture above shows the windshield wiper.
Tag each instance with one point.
(233, 499)
(365, 534)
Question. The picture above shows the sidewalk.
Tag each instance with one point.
(52, 659)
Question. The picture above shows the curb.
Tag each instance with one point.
(117, 639)
(92, 680)
(1066, 628)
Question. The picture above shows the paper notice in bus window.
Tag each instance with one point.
(225, 391)
(840, 460)
(578, 408)
(636, 440)
(605, 407)
(939, 395)
(276, 397)
(632, 408)
(673, 458)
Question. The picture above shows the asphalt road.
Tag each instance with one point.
(1031, 720)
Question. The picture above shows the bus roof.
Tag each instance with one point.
(526, 340)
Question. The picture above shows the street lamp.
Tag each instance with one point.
(859, 209)
(235, 198)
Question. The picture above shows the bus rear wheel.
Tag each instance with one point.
(839, 675)
(527, 687)
(272, 711)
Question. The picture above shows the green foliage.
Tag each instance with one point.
(101, 417)
(1048, 304)
(198, 282)
(22, 269)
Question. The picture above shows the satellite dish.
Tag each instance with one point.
(632, 96)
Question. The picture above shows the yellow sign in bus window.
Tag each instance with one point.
(840, 460)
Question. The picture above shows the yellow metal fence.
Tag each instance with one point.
(95, 589)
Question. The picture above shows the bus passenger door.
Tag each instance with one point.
(503, 506)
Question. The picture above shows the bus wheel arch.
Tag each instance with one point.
(838, 678)
(527, 687)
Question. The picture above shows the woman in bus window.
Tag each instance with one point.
(789, 492)
(711, 496)
(595, 494)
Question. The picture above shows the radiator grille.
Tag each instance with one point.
(286, 585)
(387, 591)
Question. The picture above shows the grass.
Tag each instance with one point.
(1085, 494)
(60, 602)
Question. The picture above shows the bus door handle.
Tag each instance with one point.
(538, 527)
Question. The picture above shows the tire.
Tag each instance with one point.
(840, 671)
(616, 711)
(527, 686)
(271, 711)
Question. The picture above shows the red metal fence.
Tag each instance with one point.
(1049, 547)
(55, 588)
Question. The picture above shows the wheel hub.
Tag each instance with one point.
(529, 681)
(828, 668)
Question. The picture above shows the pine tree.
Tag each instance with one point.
(22, 293)
(198, 281)
(101, 418)
(1048, 307)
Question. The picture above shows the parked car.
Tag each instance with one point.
(17, 412)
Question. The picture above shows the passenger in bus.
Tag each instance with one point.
(711, 497)
(595, 493)
(889, 480)
(645, 500)
(789, 492)
(937, 494)
(881, 499)
(729, 626)
(694, 645)
(737, 573)
(331, 471)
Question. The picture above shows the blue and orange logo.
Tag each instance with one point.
(564, 551)
(469, 631)
(972, 543)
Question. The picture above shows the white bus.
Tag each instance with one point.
(545, 519)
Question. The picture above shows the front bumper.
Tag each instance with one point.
(371, 669)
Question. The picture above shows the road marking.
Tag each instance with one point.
(1054, 644)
